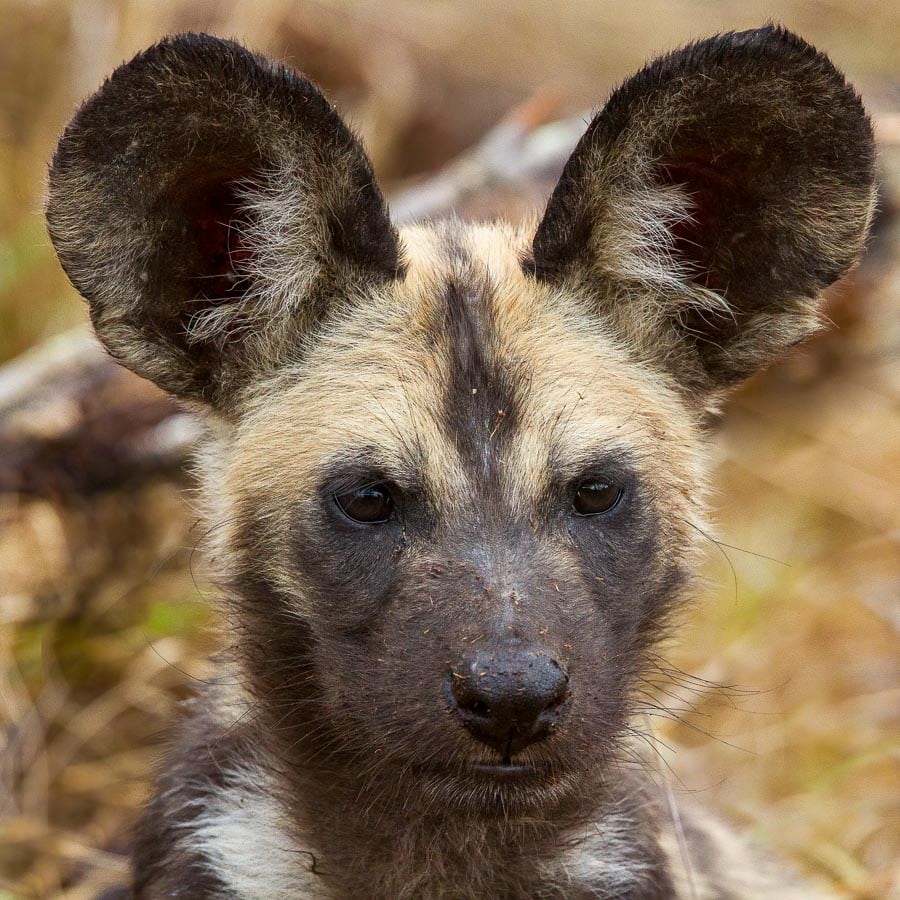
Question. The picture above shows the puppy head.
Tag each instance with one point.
(457, 475)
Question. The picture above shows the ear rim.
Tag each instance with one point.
(613, 118)
(560, 251)
(97, 160)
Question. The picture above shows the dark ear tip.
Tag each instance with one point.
(193, 57)
(770, 44)
(774, 35)
(770, 37)
(124, 104)
(182, 76)
(190, 53)
(189, 47)
(184, 54)
(775, 45)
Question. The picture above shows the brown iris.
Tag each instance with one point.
(595, 497)
(370, 504)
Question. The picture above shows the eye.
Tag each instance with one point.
(595, 497)
(371, 504)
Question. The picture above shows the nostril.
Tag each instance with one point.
(556, 702)
(559, 691)
(549, 717)
(509, 699)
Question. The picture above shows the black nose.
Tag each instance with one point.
(509, 699)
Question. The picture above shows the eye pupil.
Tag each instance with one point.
(371, 504)
(595, 497)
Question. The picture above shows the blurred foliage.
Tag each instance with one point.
(102, 626)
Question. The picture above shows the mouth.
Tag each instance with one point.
(505, 771)
(501, 788)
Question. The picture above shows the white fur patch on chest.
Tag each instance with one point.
(607, 859)
(246, 836)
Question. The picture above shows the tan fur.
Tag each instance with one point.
(375, 381)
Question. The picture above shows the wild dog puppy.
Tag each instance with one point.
(455, 473)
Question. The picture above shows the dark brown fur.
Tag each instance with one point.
(226, 229)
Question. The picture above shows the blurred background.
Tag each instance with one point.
(783, 687)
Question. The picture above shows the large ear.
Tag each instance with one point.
(213, 208)
(710, 202)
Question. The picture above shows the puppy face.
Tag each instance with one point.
(463, 469)
(456, 480)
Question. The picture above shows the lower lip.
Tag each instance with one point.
(502, 771)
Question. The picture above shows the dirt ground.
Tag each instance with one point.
(782, 706)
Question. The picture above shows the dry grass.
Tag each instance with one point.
(102, 626)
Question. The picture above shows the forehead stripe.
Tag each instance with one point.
(480, 405)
